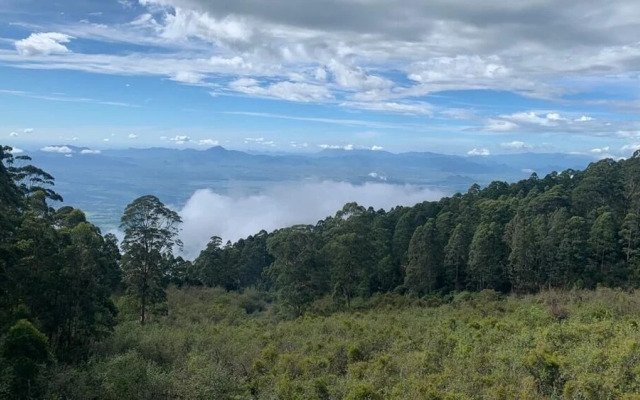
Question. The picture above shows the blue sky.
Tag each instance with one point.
(456, 76)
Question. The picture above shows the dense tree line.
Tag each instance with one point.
(568, 229)
(57, 274)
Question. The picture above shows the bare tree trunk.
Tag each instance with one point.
(142, 307)
(143, 303)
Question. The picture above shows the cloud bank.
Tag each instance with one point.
(237, 216)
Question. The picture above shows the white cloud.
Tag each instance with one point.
(57, 149)
(13, 134)
(583, 118)
(516, 145)
(132, 136)
(188, 77)
(630, 147)
(361, 57)
(186, 23)
(88, 151)
(602, 150)
(126, 3)
(180, 139)
(43, 44)
(553, 122)
(232, 217)
(291, 91)
(376, 175)
(458, 69)
(106, 140)
(260, 141)
(376, 148)
(601, 153)
(28, 130)
(417, 108)
(347, 147)
(208, 142)
(555, 117)
(320, 74)
(355, 78)
(479, 152)
(63, 98)
(16, 150)
(628, 133)
(458, 113)
(532, 118)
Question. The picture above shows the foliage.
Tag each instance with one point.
(150, 234)
(56, 269)
(405, 303)
(25, 351)
(475, 345)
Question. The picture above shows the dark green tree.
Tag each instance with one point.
(487, 258)
(523, 269)
(150, 236)
(25, 349)
(424, 267)
(558, 269)
(603, 242)
(296, 272)
(456, 256)
(572, 254)
(210, 268)
(629, 237)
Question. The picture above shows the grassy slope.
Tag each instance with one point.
(582, 345)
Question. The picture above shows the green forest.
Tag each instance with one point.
(515, 290)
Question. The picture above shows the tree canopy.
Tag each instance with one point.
(150, 235)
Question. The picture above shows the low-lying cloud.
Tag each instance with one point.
(233, 217)
(57, 149)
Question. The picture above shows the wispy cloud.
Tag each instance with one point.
(332, 121)
(62, 98)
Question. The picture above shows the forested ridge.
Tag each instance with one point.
(568, 229)
(83, 316)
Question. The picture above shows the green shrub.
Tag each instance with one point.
(25, 351)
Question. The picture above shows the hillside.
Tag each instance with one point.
(521, 290)
(218, 345)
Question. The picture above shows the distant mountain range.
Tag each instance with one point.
(103, 183)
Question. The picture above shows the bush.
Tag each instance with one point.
(25, 351)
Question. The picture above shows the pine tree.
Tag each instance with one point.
(456, 256)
